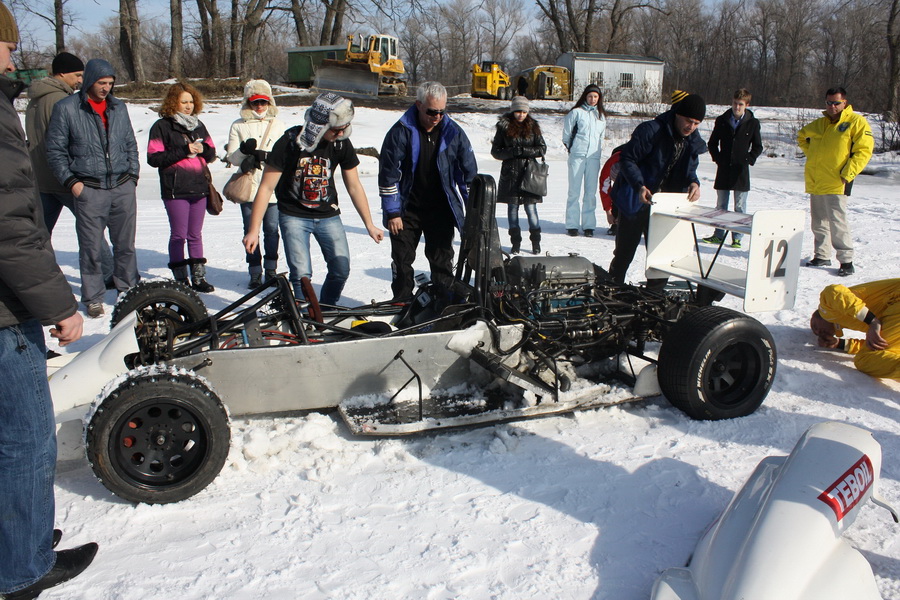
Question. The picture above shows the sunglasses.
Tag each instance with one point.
(833, 102)
(259, 103)
(339, 129)
(433, 112)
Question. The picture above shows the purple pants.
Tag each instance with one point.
(186, 224)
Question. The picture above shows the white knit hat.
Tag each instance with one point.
(329, 111)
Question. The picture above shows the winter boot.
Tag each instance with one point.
(535, 235)
(198, 276)
(255, 277)
(515, 237)
(270, 273)
(180, 271)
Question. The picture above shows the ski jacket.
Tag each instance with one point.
(516, 152)
(31, 284)
(399, 158)
(835, 151)
(608, 175)
(583, 132)
(647, 157)
(252, 126)
(180, 175)
(848, 308)
(734, 150)
(43, 96)
(80, 148)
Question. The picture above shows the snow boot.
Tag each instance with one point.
(515, 237)
(198, 276)
(180, 271)
(535, 236)
(271, 273)
(255, 277)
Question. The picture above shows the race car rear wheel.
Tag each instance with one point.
(162, 299)
(717, 363)
(159, 437)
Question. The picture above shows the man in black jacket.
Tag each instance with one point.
(33, 292)
(92, 151)
(734, 145)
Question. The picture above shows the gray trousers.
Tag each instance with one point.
(831, 232)
(53, 204)
(95, 212)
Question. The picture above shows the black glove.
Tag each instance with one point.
(261, 155)
(250, 163)
(248, 146)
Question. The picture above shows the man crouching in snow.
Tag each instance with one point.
(871, 307)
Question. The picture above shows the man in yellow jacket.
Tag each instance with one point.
(837, 146)
(870, 307)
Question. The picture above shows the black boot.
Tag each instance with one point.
(515, 237)
(198, 276)
(69, 564)
(535, 235)
(180, 271)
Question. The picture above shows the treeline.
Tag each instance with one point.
(787, 52)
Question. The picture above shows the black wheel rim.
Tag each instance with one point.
(165, 310)
(732, 374)
(159, 443)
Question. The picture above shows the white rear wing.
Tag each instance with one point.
(769, 281)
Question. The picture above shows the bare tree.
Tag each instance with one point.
(212, 35)
(130, 40)
(176, 52)
(53, 13)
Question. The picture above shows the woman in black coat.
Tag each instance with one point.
(518, 140)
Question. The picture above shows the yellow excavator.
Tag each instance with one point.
(370, 67)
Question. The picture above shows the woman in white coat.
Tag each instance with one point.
(249, 142)
(583, 130)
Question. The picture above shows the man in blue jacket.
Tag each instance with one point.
(424, 173)
(93, 153)
(661, 156)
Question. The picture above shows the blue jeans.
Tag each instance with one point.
(27, 458)
(269, 238)
(740, 205)
(512, 215)
(332, 239)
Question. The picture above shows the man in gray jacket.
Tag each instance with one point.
(67, 72)
(33, 292)
(93, 153)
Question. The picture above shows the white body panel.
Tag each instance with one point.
(780, 538)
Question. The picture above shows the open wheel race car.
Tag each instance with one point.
(508, 338)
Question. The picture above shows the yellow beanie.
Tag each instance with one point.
(9, 32)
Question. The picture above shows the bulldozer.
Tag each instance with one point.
(489, 80)
(544, 82)
(370, 67)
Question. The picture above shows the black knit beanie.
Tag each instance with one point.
(692, 107)
(65, 62)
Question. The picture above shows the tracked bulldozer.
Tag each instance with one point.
(370, 67)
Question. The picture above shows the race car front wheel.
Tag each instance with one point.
(163, 299)
(716, 363)
(161, 436)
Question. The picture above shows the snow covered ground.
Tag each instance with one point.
(590, 505)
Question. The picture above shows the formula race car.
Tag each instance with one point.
(507, 338)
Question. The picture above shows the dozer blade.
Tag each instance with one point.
(347, 81)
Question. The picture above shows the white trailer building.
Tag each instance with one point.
(622, 77)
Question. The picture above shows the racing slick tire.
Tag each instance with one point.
(716, 363)
(159, 437)
(163, 298)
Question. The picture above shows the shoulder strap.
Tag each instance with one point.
(266, 134)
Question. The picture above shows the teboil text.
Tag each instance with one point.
(848, 490)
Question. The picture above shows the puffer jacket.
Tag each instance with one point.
(835, 151)
(253, 126)
(583, 132)
(180, 175)
(31, 284)
(645, 159)
(400, 155)
(516, 152)
(43, 96)
(80, 148)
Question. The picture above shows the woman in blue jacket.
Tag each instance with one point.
(583, 130)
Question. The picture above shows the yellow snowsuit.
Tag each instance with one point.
(847, 307)
(835, 150)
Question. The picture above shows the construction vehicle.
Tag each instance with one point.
(489, 80)
(370, 67)
(544, 82)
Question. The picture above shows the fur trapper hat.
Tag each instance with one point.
(329, 111)
(254, 89)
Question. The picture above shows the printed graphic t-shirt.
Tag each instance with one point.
(306, 187)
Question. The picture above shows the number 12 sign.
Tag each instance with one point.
(774, 262)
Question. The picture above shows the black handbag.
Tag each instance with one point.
(534, 179)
